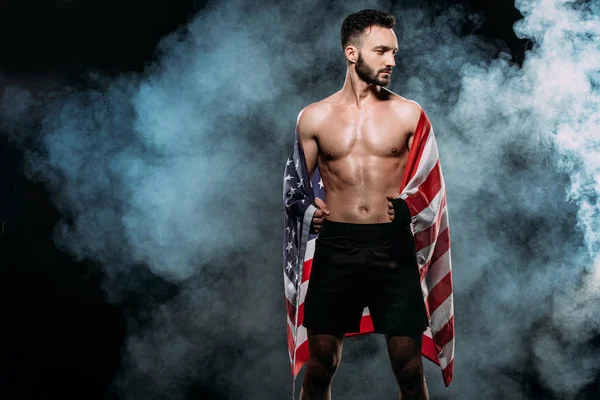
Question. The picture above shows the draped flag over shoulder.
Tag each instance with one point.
(423, 189)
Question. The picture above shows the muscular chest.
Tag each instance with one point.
(362, 134)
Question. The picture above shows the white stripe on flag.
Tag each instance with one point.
(427, 332)
(442, 314)
(424, 255)
(438, 270)
(290, 288)
(310, 249)
(301, 333)
(447, 354)
(428, 216)
(302, 336)
(303, 289)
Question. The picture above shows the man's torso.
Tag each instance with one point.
(362, 154)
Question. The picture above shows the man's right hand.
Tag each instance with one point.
(317, 221)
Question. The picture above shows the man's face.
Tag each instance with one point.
(376, 56)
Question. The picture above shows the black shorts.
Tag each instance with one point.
(365, 265)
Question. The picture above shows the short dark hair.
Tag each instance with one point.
(355, 24)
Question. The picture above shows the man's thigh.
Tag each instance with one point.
(335, 297)
(394, 295)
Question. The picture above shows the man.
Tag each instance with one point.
(360, 138)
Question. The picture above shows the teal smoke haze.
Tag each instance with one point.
(179, 169)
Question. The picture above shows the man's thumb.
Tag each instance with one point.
(392, 196)
(321, 204)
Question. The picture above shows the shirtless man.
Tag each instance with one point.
(360, 137)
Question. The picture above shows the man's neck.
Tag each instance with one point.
(357, 92)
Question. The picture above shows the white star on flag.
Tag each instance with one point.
(320, 183)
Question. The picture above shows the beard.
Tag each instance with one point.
(368, 74)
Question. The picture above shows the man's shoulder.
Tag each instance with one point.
(404, 108)
(314, 113)
(403, 104)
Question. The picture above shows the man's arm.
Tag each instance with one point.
(410, 139)
(306, 125)
(414, 114)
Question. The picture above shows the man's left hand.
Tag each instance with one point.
(391, 197)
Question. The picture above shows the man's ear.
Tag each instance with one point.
(351, 53)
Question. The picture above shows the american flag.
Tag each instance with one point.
(424, 191)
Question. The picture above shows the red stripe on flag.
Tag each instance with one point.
(440, 292)
(291, 311)
(441, 247)
(414, 156)
(445, 335)
(301, 357)
(366, 326)
(301, 314)
(306, 269)
(428, 349)
(447, 373)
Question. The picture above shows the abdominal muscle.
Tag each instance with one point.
(356, 187)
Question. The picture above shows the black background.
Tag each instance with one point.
(59, 335)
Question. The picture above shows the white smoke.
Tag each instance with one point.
(550, 105)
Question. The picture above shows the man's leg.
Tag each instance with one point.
(324, 355)
(407, 364)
